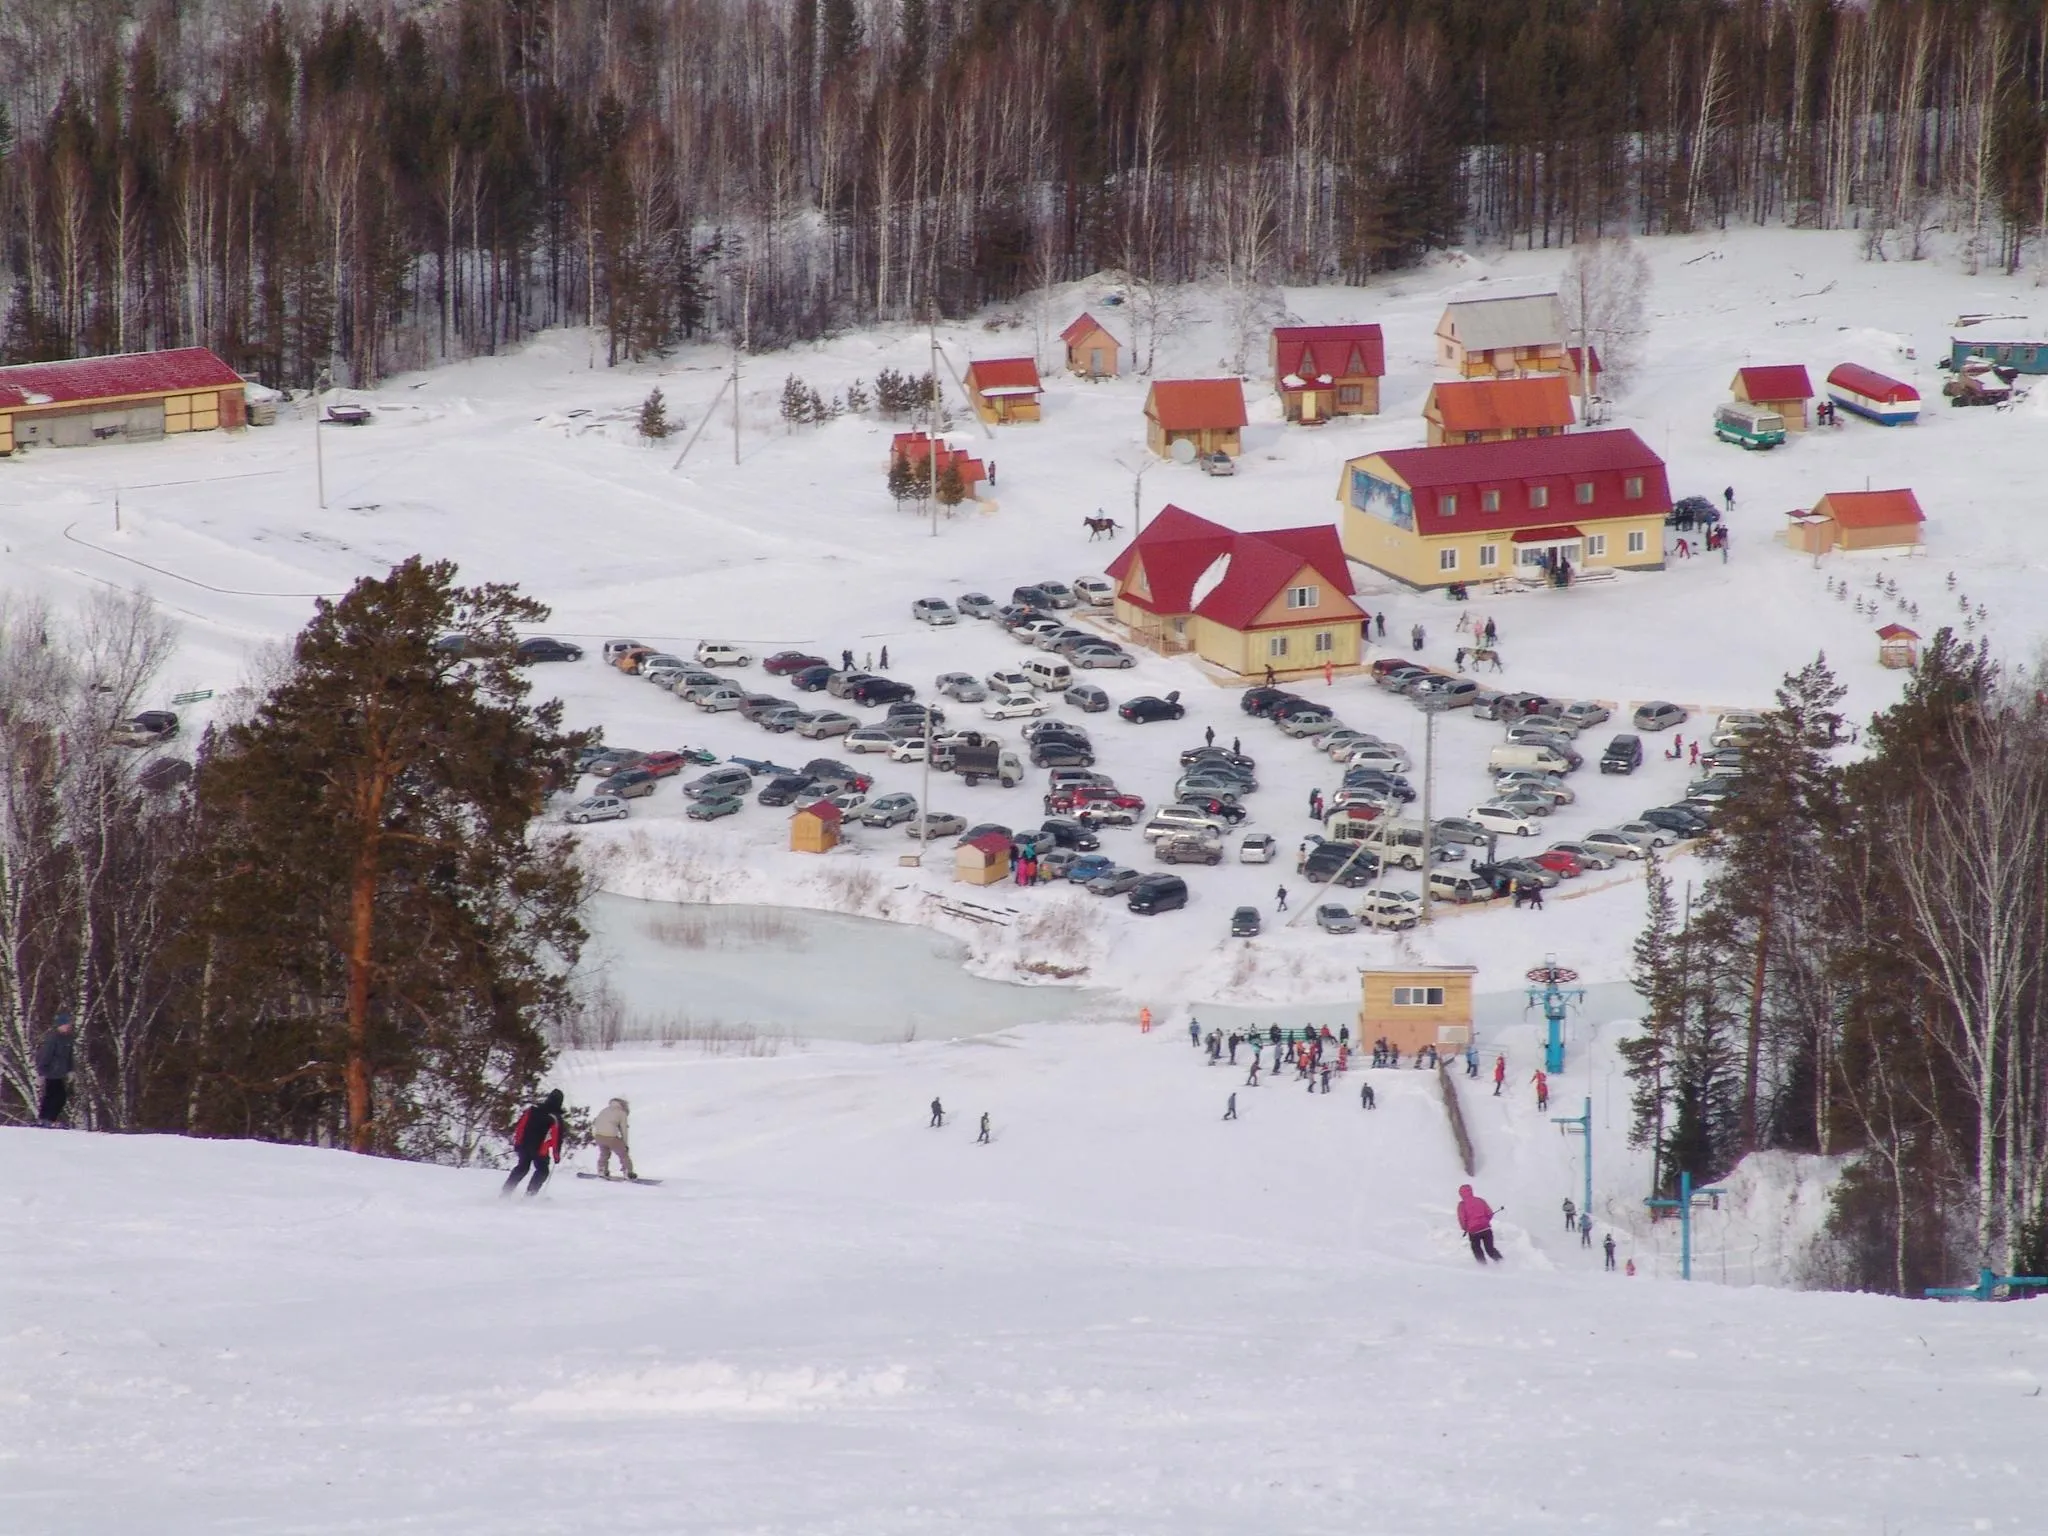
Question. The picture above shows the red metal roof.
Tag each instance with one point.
(913, 446)
(1081, 327)
(1263, 565)
(1003, 373)
(1871, 509)
(1517, 466)
(1178, 549)
(107, 378)
(1502, 405)
(825, 811)
(1897, 632)
(1780, 381)
(990, 843)
(1555, 535)
(1189, 405)
(1328, 351)
(1872, 385)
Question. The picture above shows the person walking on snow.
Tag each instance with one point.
(1607, 1245)
(1728, 497)
(1500, 1073)
(1379, 623)
(1571, 1215)
(1195, 1033)
(1282, 907)
(1230, 1109)
(1471, 1062)
(54, 1059)
(1367, 1099)
(1475, 1220)
(1695, 752)
(1585, 1229)
(1252, 1081)
(537, 1138)
(885, 658)
(608, 1130)
(938, 1115)
(1492, 634)
(1542, 1082)
(1208, 735)
(983, 1137)
(1415, 635)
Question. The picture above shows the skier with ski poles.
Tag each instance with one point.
(537, 1138)
(1475, 1220)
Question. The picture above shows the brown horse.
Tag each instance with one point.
(1101, 528)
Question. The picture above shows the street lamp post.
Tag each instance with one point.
(321, 385)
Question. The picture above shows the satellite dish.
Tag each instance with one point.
(1183, 451)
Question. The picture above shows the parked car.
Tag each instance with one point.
(1536, 784)
(870, 738)
(1145, 709)
(1188, 848)
(1260, 701)
(1332, 918)
(1158, 893)
(1218, 463)
(597, 808)
(1347, 864)
(1115, 881)
(1647, 833)
(1097, 655)
(1460, 830)
(1681, 819)
(825, 722)
(787, 789)
(813, 679)
(1585, 713)
(732, 779)
(1383, 757)
(1058, 594)
(831, 770)
(1500, 819)
(887, 810)
(150, 728)
(1390, 669)
(1340, 743)
(1586, 853)
(935, 611)
(718, 701)
(629, 784)
(716, 653)
(1213, 754)
(976, 605)
(1614, 844)
(1069, 833)
(1658, 715)
(1061, 752)
(1522, 804)
(1383, 907)
(1006, 706)
(1623, 754)
(1095, 591)
(712, 807)
(963, 687)
(1087, 698)
(1040, 730)
(1558, 861)
(1216, 808)
(1169, 819)
(841, 684)
(1258, 848)
(909, 750)
(1520, 871)
(1306, 722)
(1030, 596)
(1007, 680)
(755, 707)
(1460, 886)
(609, 761)
(787, 663)
(987, 829)
(880, 690)
(540, 648)
(1245, 923)
(936, 824)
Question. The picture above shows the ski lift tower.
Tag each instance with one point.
(1551, 995)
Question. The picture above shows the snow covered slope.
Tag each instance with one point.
(1123, 1315)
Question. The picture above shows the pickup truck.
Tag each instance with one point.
(976, 756)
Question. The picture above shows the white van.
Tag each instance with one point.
(1542, 758)
(1047, 675)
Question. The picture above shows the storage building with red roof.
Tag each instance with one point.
(913, 448)
(1322, 371)
(1433, 516)
(133, 397)
(1004, 389)
(1858, 520)
(1497, 410)
(1092, 353)
(1872, 395)
(1782, 387)
(1281, 598)
(1208, 413)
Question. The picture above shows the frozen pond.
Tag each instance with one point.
(797, 972)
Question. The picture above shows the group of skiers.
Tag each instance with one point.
(938, 1122)
(538, 1137)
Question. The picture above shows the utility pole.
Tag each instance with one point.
(931, 431)
(735, 404)
(320, 387)
(1429, 714)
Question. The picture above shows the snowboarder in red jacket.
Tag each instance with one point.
(537, 1138)
(1475, 1220)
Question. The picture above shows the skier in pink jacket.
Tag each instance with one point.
(1475, 1220)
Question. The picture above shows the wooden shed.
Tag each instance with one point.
(1208, 413)
(133, 397)
(1092, 353)
(1414, 1006)
(1781, 387)
(815, 828)
(1898, 646)
(1004, 389)
(982, 860)
(1859, 520)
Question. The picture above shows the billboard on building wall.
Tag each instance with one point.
(1381, 499)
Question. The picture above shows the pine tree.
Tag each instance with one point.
(902, 484)
(654, 424)
(380, 938)
(952, 487)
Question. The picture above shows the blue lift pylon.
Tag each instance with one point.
(1683, 1205)
(1553, 999)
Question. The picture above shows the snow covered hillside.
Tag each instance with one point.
(1122, 1315)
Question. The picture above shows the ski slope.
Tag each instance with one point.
(1123, 1315)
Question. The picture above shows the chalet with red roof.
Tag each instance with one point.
(1858, 520)
(1208, 413)
(1004, 389)
(1092, 353)
(134, 397)
(1281, 598)
(1497, 410)
(914, 448)
(1322, 371)
(1473, 512)
(1781, 387)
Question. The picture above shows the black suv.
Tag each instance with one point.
(1683, 820)
(1624, 755)
(1326, 862)
(1158, 893)
(541, 648)
(1061, 752)
(1069, 833)
(784, 789)
(839, 773)
(1260, 701)
(881, 690)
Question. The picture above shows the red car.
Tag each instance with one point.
(1084, 797)
(782, 663)
(663, 764)
(1566, 864)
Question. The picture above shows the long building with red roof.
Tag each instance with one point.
(1472, 512)
(1279, 599)
(133, 397)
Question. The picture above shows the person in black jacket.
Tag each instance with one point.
(53, 1066)
(537, 1138)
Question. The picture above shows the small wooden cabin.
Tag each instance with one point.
(982, 860)
(1004, 389)
(1092, 353)
(1414, 1006)
(1208, 413)
(816, 828)
(1859, 520)
(1322, 371)
(1898, 646)
(1781, 387)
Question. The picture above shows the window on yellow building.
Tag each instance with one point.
(1582, 493)
(1632, 488)
(1325, 642)
(1539, 495)
(1489, 501)
(1447, 559)
(1276, 645)
(1489, 554)
(1596, 544)
(1447, 505)
(1636, 542)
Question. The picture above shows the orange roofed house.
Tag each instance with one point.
(1244, 601)
(1784, 388)
(1859, 520)
(913, 448)
(1004, 389)
(135, 397)
(1092, 352)
(1322, 371)
(1491, 410)
(1209, 413)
